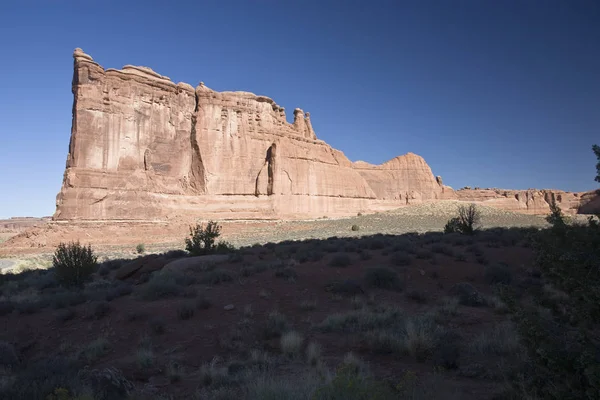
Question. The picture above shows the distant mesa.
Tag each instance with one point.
(145, 148)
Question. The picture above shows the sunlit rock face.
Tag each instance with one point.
(145, 148)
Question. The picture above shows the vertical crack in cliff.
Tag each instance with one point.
(270, 165)
(197, 172)
(271, 168)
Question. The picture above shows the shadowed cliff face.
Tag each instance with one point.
(145, 148)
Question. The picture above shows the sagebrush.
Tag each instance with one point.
(73, 263)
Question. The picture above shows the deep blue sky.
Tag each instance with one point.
(491, 93)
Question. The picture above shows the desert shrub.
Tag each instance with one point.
(308, 305)
(346, 287)
(405, 244)
(41, 280)
(29, 306)
(115, 263)
(140, 248)
(202, 240)
(415, 336)
(213, 375)
(447, 350)
(6, 307)
(468, 217)
(497, 273)
(95, 349)
(315, 256)
(276, 325)
(482, 259)
(157, 325)
(216, 277)
(162, 284)
(502, 339)
(65, 315)
(453, 225)
(400, 259)
(362, 320)
(460, 257)
(288, 273)
(418, 296)
(224, 247)
(291, 343)
(475, 249)
(122, 289)
(375, 243)
(38, 379)
(73, 263)
(424, 254)
(442, 249)
(236, 257)
(247, 271)
(202, 303)
(355, 228)
(98, 309)
(172, 254)
(145, 357)
(348, 384)
(103, 270)
(313, 353)
(467, 295)
(8, 355)
(105, 290)
(383, 278)
(186, 310)
(66, 299)
(107, 383)
(340, 260)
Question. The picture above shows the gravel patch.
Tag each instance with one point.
(428, 217)
(6, 264)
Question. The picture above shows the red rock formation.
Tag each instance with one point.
(532, 201)
(145, 148)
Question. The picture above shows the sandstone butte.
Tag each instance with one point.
(145, 148)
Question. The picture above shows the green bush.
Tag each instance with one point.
(140, 248)
(202, 240)
(562, 338)
(73, 263)
(453, 225)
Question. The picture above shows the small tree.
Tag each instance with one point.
(202, 240)
(469, 217)
(562, 333)
(556, 217)
(465, 223)
(73, 263)
(596, 150)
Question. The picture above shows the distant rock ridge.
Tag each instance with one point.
(145, 148)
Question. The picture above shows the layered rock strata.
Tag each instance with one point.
(145, 148)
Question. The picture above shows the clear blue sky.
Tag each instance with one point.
(491, 93)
